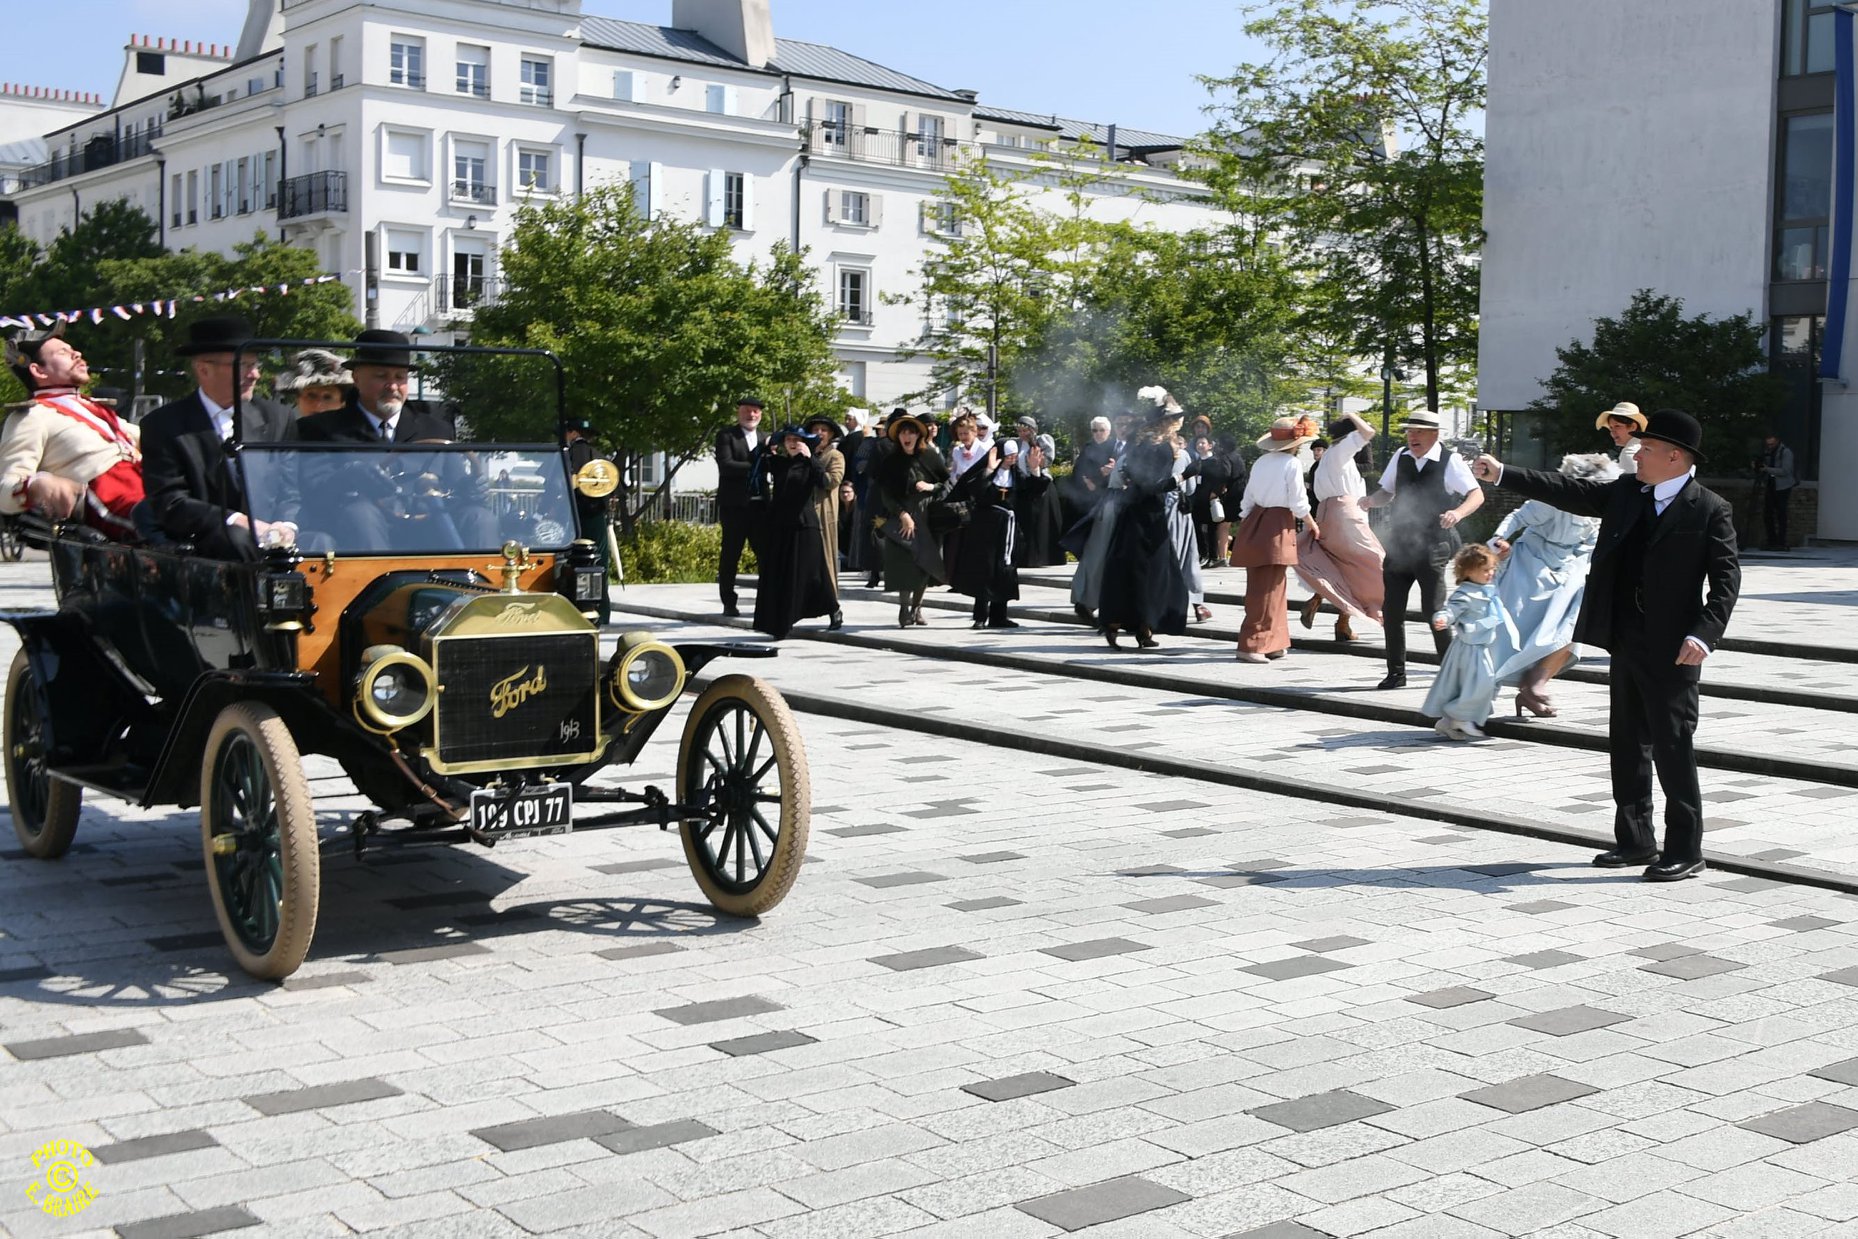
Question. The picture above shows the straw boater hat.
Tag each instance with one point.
(1421, 419)
(313, 367)
(1287, 434)
(1625, 411)
(901, 421)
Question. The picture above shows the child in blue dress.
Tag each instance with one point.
(1465, 689)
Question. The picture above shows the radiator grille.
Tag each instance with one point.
(517, 701)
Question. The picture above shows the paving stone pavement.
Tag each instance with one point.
(1010, 995)
(1760, 816)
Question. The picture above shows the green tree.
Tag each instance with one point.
(659, 327)
(1359, 134)
(1204, 314)
(1656, 356)
(111, 258)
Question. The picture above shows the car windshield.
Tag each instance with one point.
(378, 499)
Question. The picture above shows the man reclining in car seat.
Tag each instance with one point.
(65, 456)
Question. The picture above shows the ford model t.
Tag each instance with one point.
(429, 628)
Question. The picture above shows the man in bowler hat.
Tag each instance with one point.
(193, 493)
(1663, 582)
(743, 512)
(372, 503)
(376, 413)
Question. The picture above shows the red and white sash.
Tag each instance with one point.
(113, 494)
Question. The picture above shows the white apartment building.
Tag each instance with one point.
(396, 139)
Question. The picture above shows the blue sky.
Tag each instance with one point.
(1099, 60)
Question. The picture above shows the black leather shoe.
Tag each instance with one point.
(1082, 612)
(1395, 679)
(838, 621)
(1006, 623)
(1673, 870)
(730, 611)
(1624, 860)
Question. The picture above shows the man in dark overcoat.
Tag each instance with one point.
(194, 495)
(1664, 580)
(742, 512)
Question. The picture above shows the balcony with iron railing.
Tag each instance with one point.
(314, 193)
(884, 146)
(102, 151)
(476, 192)
(452, 293)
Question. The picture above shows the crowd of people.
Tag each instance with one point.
(1150, 503)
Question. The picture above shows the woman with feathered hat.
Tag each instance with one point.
(1546, 553)
(1265, 543)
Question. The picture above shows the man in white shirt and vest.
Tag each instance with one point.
(1429, 491)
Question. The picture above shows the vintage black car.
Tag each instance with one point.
(430, 629)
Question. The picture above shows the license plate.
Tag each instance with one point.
(547, 809)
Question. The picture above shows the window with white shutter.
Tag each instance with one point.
(403, 155)
(647, 187)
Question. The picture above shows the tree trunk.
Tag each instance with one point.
(1429, 341)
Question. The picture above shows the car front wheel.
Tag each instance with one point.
(743, 766)
(259, 831)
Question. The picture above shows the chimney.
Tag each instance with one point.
(743, 28)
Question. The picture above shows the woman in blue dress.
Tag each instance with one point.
(1544, 575)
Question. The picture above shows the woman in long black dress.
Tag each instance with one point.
(794, 582)
(910, 477)
(1143, 589)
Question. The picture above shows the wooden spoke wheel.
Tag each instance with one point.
(44, 809)
(742, 766)
(259, 831)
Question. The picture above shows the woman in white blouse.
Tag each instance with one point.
(1619, 422)
(1265, 543)
(1345, 567)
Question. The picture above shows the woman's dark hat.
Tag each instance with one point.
(1676, 427)
(221, 334)
(838, 431)
(377, 347)
(800, 433)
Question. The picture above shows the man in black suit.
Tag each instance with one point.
(367, 507)
(742, 512)
(193, 494)
(381, 369)
(1664, 540)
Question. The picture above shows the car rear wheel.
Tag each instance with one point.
(742, 764)
(259, 831)
(44, 809)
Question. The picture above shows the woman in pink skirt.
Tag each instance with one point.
(1265, 542)
(1344, 569)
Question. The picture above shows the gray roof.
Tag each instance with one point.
(1073, 129)
(810, 60)
(25, 153)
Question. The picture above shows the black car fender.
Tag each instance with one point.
(176, 776)
(88, 701)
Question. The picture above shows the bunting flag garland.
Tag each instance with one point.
(166, 308)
